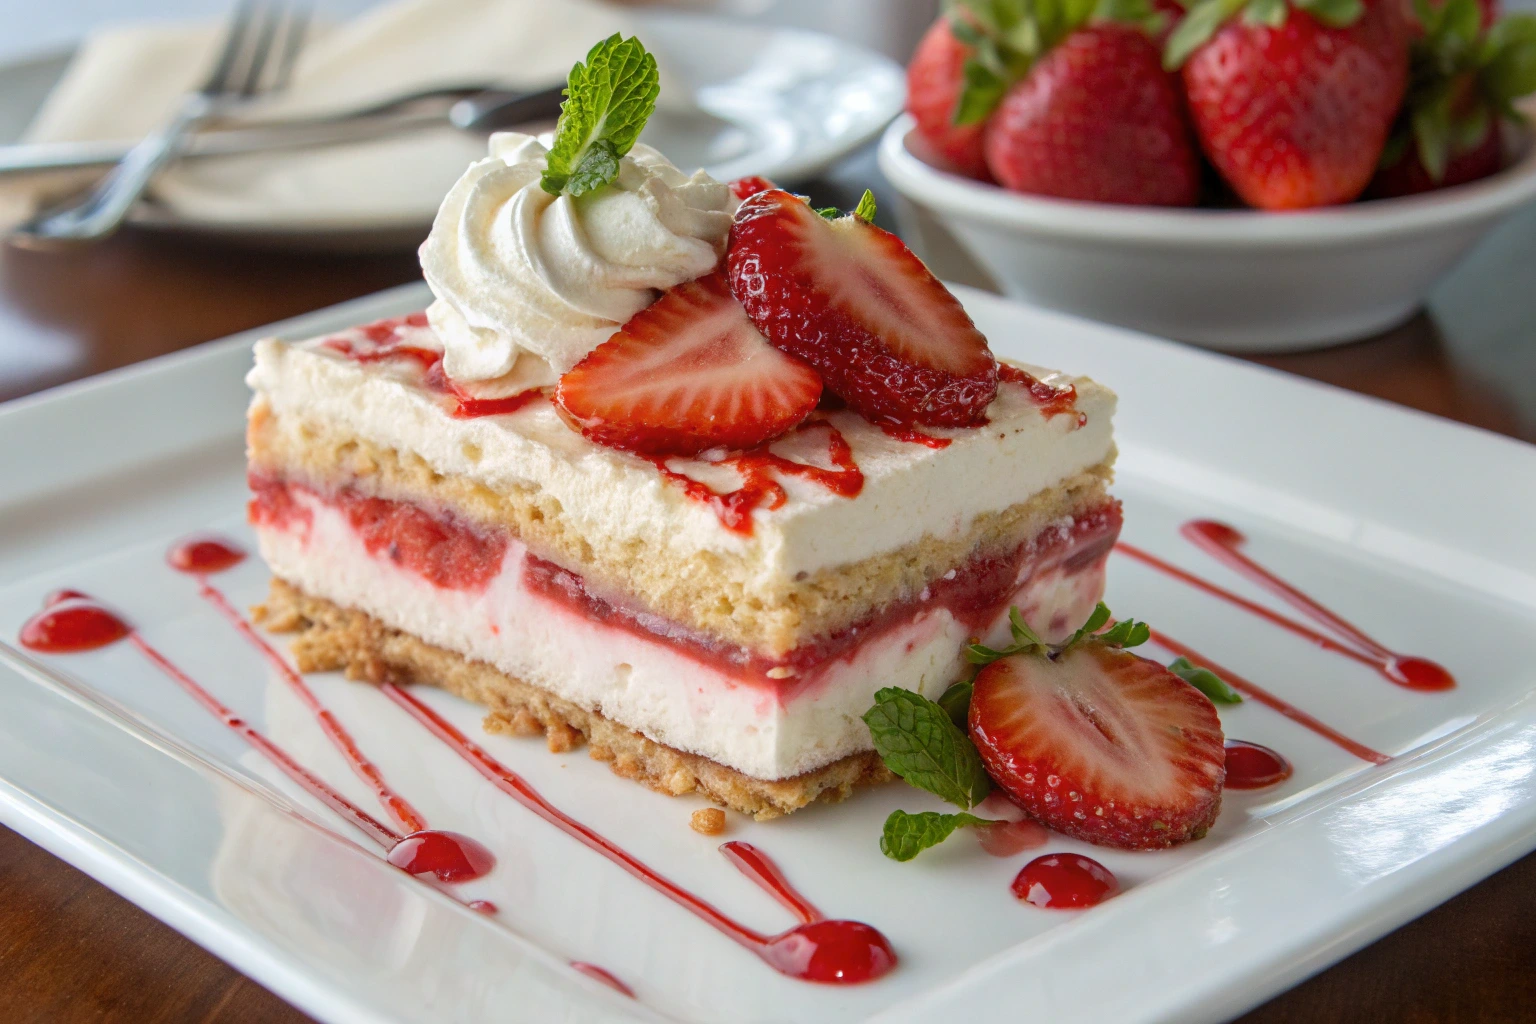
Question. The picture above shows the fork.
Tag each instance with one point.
(261, 45)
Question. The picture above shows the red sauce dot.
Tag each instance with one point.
(1251, 766)
(448, 856)
(1216, 533)
(1065, 881)
(1419, 674)
(483, 906)
(1008, 838)
(831, 952)
(71, 626)
(204, 554)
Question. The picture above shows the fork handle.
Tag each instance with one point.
(101, 211)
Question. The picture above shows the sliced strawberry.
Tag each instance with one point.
(1101, 745)
(751, 185)
(688, 373)
(855, 303)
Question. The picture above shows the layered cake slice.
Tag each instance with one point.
(685, 480)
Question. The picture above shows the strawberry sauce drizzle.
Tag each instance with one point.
(37, 636)
(1065, 881)
(448, 856)
(1053, 399)
(602, 976)
(911, 435)
(1225, 544)
(758, 487)
(384, 335)
(821, 950)
(1271, 701)
(1251, 766)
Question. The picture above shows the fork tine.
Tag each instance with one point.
(272, 15)
(293, 42)
(234, 43)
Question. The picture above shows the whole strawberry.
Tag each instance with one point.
(935, 80)
(1293, 102)
(1097, 118)
(1464, 79)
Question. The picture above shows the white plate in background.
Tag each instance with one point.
(112, 768)
(780, 102)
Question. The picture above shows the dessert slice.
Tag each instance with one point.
(585, 491)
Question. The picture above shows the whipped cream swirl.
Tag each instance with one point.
(528, 283)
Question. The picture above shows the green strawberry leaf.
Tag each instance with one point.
(906, 835)
(865, 211)
(1265, 12)
(1206, 681)
(608, 99)
(1509, 65)
(1195, 29)
(1334, 13)
(918, 740)
(981, 91)
(1432, 136)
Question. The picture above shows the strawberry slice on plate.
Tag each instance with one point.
(1101, 745)
(855, 303)
(688, 373)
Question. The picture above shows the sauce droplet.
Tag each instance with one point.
(1065, 881)
(482, 906)
(847, 952)
(448, 856)
(1009, 838)
(1251, 766)
(72, 625)
(204, 554)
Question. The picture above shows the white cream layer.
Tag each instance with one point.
(644, 683)
(910, 491)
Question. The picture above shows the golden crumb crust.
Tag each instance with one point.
(332, 638)
(709, 591)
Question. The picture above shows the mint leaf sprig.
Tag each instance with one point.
(1217, 689)
(608, 99)
(865, 211)
(906, 835)
(1125, 633)
(919, 740)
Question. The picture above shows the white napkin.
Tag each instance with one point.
(125, 81)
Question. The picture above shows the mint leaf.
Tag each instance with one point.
(1126, 633)
(865, 211)
(1206, 681)
(957, 701)
(919, 741)
(907, 835)
(608, 99)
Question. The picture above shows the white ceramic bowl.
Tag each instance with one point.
(1235, 280)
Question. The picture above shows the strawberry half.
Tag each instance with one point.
(1101, 745)
(855, 303)
(751, 185)
(687, 373)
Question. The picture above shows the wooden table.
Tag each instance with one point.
(72, 951)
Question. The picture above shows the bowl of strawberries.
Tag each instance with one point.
(1247, 175)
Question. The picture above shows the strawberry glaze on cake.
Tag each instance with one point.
(376, 492)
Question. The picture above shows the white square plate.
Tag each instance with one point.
(1413, 528)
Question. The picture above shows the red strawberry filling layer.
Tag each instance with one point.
(454, 554)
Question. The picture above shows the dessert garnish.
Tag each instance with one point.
(608, 99)
(686, 374)
(1089, 739)
(852, 300)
